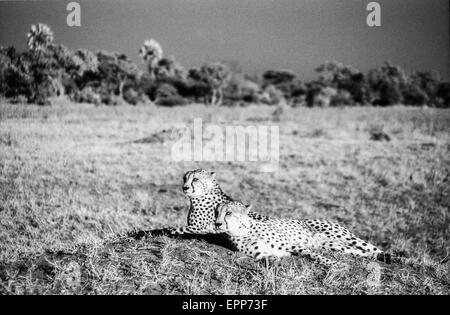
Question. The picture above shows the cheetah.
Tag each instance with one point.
(205, 196)
(277, 238)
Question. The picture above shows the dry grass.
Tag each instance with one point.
(73, 179)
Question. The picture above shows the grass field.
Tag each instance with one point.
(74, 181)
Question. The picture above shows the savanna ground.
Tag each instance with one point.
(75, 180)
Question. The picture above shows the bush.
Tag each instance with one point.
(342, 98)
(276, 77)
(387, 84)
(18, 99)
(241, 88)
(16, 82)
(171, 101)
(443, 95)
(131, 96)
(166, 90)
(297, 89)
(169, 68)
(14, 77)
(319, 94)
(389, 94)
(274, 95)
(111, 99)
(414, 95)
(346, 79)
(284, 81)
(87, 95)
(167, 95)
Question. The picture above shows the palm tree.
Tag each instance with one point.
(40, 37)
(151, 53)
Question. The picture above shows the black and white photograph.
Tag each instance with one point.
(220, 149)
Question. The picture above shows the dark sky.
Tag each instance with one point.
(260, 34)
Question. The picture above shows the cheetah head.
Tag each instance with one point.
(232, 218)
(198, 183)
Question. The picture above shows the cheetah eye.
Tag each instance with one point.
(195, 179)
(228, 213)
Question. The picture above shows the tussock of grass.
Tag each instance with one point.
(73, 178)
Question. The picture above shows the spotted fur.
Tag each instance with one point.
(276, 238)
(205, 196)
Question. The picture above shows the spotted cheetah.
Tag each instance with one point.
(276, 238)
(205, 196)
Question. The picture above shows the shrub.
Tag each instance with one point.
(274, 95)
(197, 87)
(297, 89)
(131, 96)
(376, 133)
(387, 84)
(15, 82)
(276, 77)
(87, 95)
(347, 79)
(166, 90)
(319, 94)
(443, 95)
(388, 94)
(342, 98)
(427, 82)
(18, 99)
(167, 95)
(30, 74)
(111, 99)
(414, 95)
(171, 101)
(284, 81)
(241, 88)
(169, 68)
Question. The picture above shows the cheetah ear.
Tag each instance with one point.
(248, 208)
(213, 175)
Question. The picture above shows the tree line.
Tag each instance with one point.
(48, 69)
